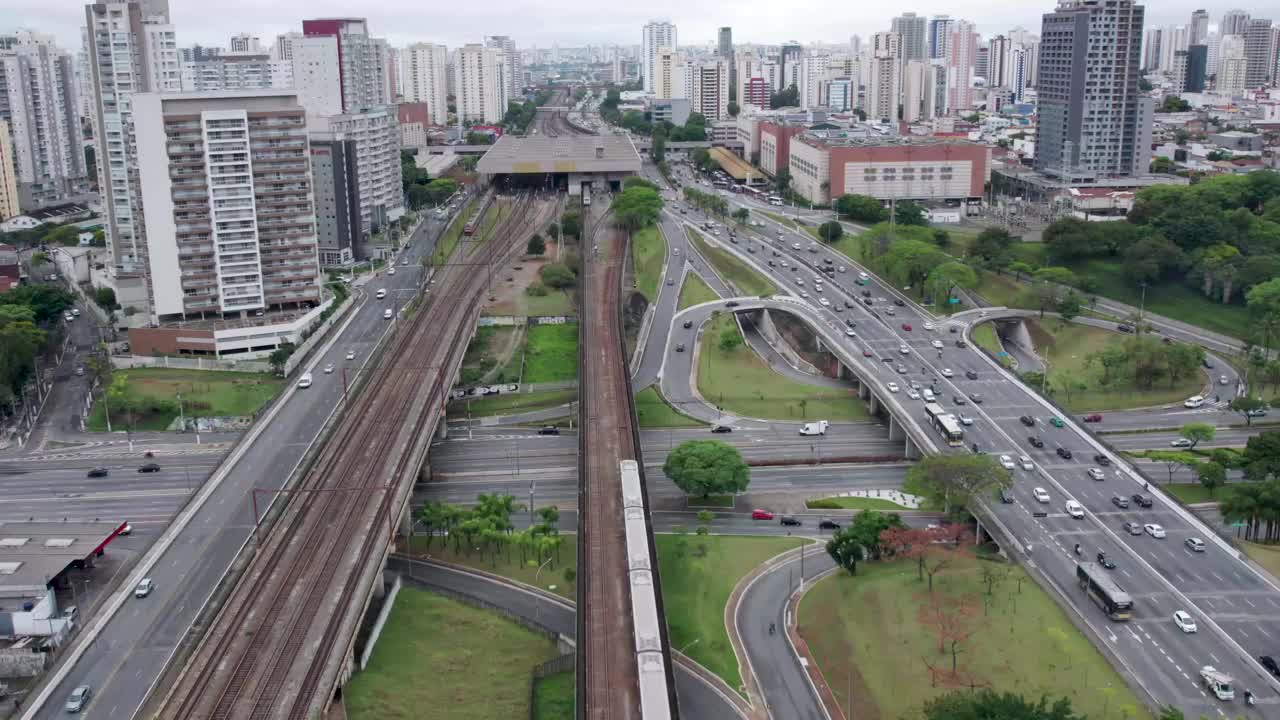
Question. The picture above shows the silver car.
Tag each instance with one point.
(79, 699)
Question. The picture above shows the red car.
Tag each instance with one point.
(906, 327)
(761, 515)
(866, 353)
(1093, 418)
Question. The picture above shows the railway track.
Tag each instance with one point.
(267, 653)
(608, 686)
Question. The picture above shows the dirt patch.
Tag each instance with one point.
(510, 281)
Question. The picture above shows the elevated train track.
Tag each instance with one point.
(282, 641)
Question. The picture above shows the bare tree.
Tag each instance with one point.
(953, 619)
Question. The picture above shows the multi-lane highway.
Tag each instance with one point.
(1238, 609)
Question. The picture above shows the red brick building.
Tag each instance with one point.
(928, 169)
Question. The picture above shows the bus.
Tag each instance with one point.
(721, 184)
(751, 192)
(775, 200)
(1104, 591)
(946, 424)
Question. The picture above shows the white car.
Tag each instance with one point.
(144, 588)
(1074, 509)
(937, 344)
(800, 282)
(351, 354)
(849, 333)
(1025, 462)
(928, 326)
(824, 302)
(914, 395)
(386, 314)
(946, 372)
(1154, 530)
(68, 317)
(893, 387)
(904, 349)
(1041, 495)
(795, 246)
(1096, 473)
(965, 420)
(1006, 462)
(328, 368)
(804, 295)
(1184, 621)
(391, 271)
(1180, 442)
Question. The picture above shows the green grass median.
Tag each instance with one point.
(647, 252)
(695, 291)
(151, 397)
(551, 353)
(510, 403)
(733, 270)
(653, 411)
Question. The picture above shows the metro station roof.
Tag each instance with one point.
(564, 154)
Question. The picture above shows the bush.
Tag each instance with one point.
(557, 275)
(536, 246)
(106, 298)
(536, 289)
(823, 504)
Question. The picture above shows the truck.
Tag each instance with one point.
(814, 428)
(1218, 683)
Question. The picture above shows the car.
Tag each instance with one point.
(1006, 462)
(804, 295)
(1025, 462)
(913, 394)
(906, 326)
(759, 514)
(382, 293)
(548, 430)
(1133, 528)
(404, 262)
(1124, 328)
(902, 369)
(866, 301)
(828, 525)
(688, 324)
(732, 304)
(1006, 497)
(958, 399)
(1102, 460)
(1097, 474)
(1184, 621)
(946, 373)
(789, 521)
(1180, 442)
(1141, 500)
(893, 387)
(1154, 530)
(866, 293)
(971, 374)
(1223, 380)
(680, 347)
(794, 246)
(937, 344)
(721, 429)
(904, 350)
(144, 588)
(976, 398)
(80, 371)
(328, 369)
(867, 353)
(849, 305)
(898, 302)
(823, 301)
(351, 354)
(68, 317)
(1027, 420)
(386, 314)
(1035, 441)
(1041, 495)
(1270, 664)
(126, 529)
(800, 282)
(887, 360)
(1056, 422)
(672, 281)
(1120, 501)
(1074, 509)
(1106, 562)
(964, 419)
(890, 311)
(98, 472)
(928, 326)
(961, 344)
(391, 271)
(78, 699)
(149, 468)
(842, 269)
(1259, 412)
(1194, 544)
(1063, 453)
(1093, 418)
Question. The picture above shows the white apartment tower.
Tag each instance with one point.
(514, 66)
(709, 89)
(377, 138)
(961, 65)
(668, 75)
(658, 34)
(911, 28)
(244, 43)
(884, 86)
(1199, 28)
(38, 101)
(360, 62)
(132, 49)
(814, 72)
(480, 77)
(426, 78)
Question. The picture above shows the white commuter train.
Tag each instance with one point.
(654, 702)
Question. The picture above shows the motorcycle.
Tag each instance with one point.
(1248, 698)
(1078, 549)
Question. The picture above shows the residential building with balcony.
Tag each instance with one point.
(377, 138)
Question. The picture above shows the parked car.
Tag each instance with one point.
(758, 514)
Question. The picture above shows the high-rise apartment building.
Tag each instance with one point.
(132, 50)
(237, 71)
(962, 62)
(754, 86)
(1198, 30)
(361, 60)
(1259, 52)
(940, 37)
(513, 67)
(377, 141)
(480, 77)
(317, 74)
(1196, 72)
(226, 192)
(245, 43)
(815, 70)
(789, 59)
(38, 101)
(1094, 121)
(884, 86)
(335, 177)
(8, 180)
(1230, 80)
(426, 78)
(709, 90)
(999, 49)
(1234, 22)
(911, 28)
(657, 34)
(283, 48)
(668, 75)
(724, 45)
(1151, 49)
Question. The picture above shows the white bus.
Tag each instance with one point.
(775, 200)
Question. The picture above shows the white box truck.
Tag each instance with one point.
(1218, 683)
(814, 428)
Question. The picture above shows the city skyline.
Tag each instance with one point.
(699, 26)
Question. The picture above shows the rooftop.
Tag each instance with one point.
(566, 154)
(738, 168)
(32, 554)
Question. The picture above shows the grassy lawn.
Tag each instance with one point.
(694, 291)
(553, 697)
(741, 383)
(514, 402)
(205, 393)
(854, 503)
(1001, 290)
(551, 353)
(551, 578)
(1189, 493)
(419, 663)
(711, 501)
(481, 357)
(869, 625)
(1268, 556)
(1066, 349)
(732, 269)
(654, 412)
(698, 573)
(647, 252)
(556, 303)
(779, 219)
(984, 336)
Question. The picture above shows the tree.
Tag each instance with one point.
(637, 181)
(945, 541)
(830, 231)
(730, 339)
(419, 196)
(637, 207)
(106, 298)
(951, 480)
(944, 279)
(907, 543)
(1172, 459)
(1211, 475)
(536, 245)
(279, 357)
(707, 467)
(1172, 104)
(1261, 461)
(1246, 406)
(868, 528)
(571, 224)
(1197, 432)
(862, 208)
(734, 109)
(1163, 166)
(787, 98)
(1263, 301)
(782, 181)
(953, 620)
(845, 550)
(742, 215)
(557, 275)
(1069, 307)
(986, 704)
(909, 212)
(992, 245)
(658, 150)
(47, 302)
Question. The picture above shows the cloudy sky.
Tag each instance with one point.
(567, 22)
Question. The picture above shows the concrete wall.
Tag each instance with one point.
(21, 663)
(190, 363)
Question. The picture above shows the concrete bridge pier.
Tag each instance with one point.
(895, 429)
(911, 451)
(442, 429)
(864, 391)
(873, 405)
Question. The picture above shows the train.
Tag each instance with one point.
(654, 702)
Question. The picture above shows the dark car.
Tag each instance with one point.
(1035, 441)
(1006, 496)
(1105, 561)
(149, 468)
(548, 430)
(789, 521)
(898, 302)
(1124, 328)
(680, 347)
(688, 324)
(1064, 453)
(851, 323)
(829, 261)
(828, 525)
(961, 344)
(1269, 663)
(1133, 528)
(866, 293)
(1209, 365)
(721, 429)
(976, 398)
(1120, 501)
(98, 472)
(958, 399)
(1142, 500)
(953, 329)
(1027, 420)
(971, 374)
(848, 304)
(1094, 418)
(731, 303)
(1102, 460)
(888, 360)
(866, 301)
